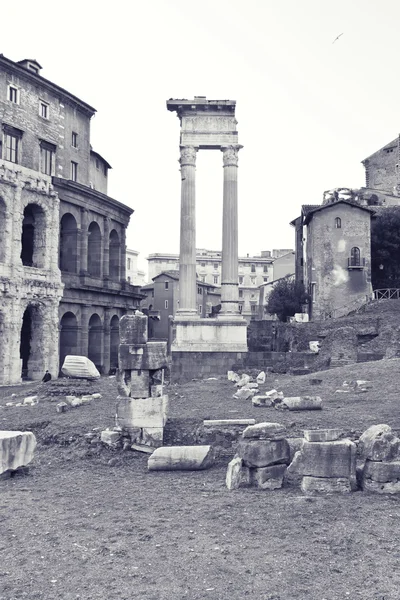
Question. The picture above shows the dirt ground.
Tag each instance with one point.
(82, 526)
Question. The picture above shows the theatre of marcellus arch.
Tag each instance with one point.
(209, 125)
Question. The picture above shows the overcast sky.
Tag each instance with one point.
(308, 110)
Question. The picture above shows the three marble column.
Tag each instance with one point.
(187, 265)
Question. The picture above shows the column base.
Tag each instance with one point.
(185, 314)
(210, 335)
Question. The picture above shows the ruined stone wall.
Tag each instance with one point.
(33, 289)
(380, 168)
(328, 253)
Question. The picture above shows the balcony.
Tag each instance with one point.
(356, 263)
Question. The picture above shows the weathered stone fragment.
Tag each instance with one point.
(134, 413)
(364, 384)
(322, 435)
(382, 472)
(263, 453)
(243, 394)
(96, 396)
(268, 478)
(261, 401)
(152, 436)
(152, 356)
(237, 474)
(232, 376)
(110, 437)
(79, 367)
(274, 395)
(300, 403)
(327, 459)
(261, 377)
(186, 458)
(251, 386)
(62, 407)
(16, 449)
(142, 448)
(31, 400)
(324, 485)
(243, 380)
(133, 329)
(390, 487)
(379, 443)
(265, 431)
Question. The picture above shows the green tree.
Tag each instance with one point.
(385, 248)
(286, 298)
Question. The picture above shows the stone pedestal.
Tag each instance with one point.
(210, 335)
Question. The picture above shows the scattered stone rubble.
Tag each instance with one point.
(79, 367)
(359, 386)
(75, 401)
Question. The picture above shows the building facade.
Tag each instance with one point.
(253, 271)
(333, 256)
(63, 236)
(162, 297)
(133, 274)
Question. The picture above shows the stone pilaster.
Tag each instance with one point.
(84, 240)
(84, 329)
(106, 249)
(187, 257)
(123, 254)
(229, 275)
(107, 336)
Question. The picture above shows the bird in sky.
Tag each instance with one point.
(336, 38)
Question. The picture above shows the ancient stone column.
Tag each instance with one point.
(229, 275)
(187, 256)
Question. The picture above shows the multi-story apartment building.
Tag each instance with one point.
(133, 274)
(253, 271)
(162, 296)
(62, 238)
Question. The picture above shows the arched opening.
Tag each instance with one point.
(31, 350)
(355, 257)
(115, 252)
(338, 223)
(3, 240)
(94, 250)
(95, 341)
(33, 237)
(68, 256)
(114, 342)
(68, 336)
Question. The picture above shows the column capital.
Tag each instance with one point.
(188, 155)
(231, 155)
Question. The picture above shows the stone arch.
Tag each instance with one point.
(115, 255)
(94, 250)
(33, 236)
(68, 336)
(68, 254)
(3, 238)
(114, 342)
(95, 341)
(31, 342)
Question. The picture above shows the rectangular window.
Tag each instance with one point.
(200, 309)
(166, 304)
(74, 171)
(13, 94)
(253, 268)
(203, 265)
(240, 293)
(166, 286)
(253, 280)
(74, 140)
(253, 307)
(46, 161)
(203, 277)
(240, 280)
(215, 278)
(265, 279)
(129, 264)
(240, 308)
(265, 268)
(11, 147)
(199, 291)
(43, 109)
(215, 266)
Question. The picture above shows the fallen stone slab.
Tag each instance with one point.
(322, 435)
(243, 380)
(16, 449)
(274, 395)
(326, 459)
(232, 376)
(263, 453)
(325, 485)
(142, 448)
(382, 472)
(300, 403)
(181, 458)
(376, 487)
(364, 384)
(227, 422)
(110, 438)
(237, 474)
(268, 478)
(265, 431)
(80, 367)
(62, 407)
(262, 401)
(251, 386)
